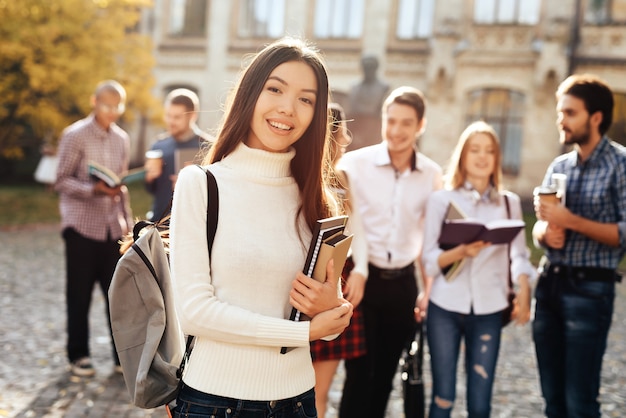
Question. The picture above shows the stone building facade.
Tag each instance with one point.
(497, 60)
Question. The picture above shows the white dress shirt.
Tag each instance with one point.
(391, 203)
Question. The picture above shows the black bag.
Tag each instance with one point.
(412, 378)
(508, 311)
(506, 314)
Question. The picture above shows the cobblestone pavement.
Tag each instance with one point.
(35, 382)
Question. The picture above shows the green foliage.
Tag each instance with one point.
(53, 55)
(535, 253)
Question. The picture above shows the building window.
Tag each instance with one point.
(187, 17)
(522, 12)
(341, 19)
(617, 131)
(598, 12)
(415, 19)
(261, 18)
(504, 110)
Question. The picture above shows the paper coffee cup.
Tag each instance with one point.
(546, 194)
(559, 181)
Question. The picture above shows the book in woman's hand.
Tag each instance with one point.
(464, 231)
(328, 241)
(336, 247)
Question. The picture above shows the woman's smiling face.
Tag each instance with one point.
(285, 108)
(480, 157)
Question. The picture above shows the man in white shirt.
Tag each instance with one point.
(390, 183)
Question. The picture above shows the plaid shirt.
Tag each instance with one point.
(596, 190)
(94, 217)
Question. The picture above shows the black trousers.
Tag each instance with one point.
(389, 318)
(87, 261)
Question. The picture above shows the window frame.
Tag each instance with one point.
(182, 33)
(395, 44)
(509, 124)
(417, 19)
(349, 13)
(496, 18)
(252, 31)
(238, 44)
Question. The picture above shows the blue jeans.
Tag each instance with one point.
(192, 403)
(445, 330)
(572, 321)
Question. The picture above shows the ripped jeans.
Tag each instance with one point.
(481, 334)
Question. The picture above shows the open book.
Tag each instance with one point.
(100, 172)
(450, 272)
(328, 241)
(464, 231)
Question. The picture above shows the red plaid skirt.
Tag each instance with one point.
(351, 343)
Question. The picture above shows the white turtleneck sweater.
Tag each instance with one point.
(237, 304)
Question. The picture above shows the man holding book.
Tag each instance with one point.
(390, 183)
(94, 216)
(179, 146)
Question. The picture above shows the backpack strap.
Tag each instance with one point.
(508, 215)
(212, 211)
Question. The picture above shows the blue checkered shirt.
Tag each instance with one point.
(596, 190)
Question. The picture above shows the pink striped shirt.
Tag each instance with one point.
(94, 217)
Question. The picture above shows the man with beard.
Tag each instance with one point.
(584, 241)
(181, 114)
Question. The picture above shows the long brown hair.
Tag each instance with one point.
(456, 174)
(311, 155)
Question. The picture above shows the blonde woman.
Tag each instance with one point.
(469, 307)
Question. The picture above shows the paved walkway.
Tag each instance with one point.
(34, 381)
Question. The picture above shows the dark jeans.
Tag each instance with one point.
(196, 404)
(570, 329)
(389, 323)
(87, 262)
(481, 333)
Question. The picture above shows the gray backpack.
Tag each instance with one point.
(148, 338)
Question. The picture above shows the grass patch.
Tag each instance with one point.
(535, 253)
(33, 203)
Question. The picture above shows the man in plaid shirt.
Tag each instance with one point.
(585, 239)
(94, 216)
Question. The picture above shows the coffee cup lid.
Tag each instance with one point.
(545, 190)
(154, 153)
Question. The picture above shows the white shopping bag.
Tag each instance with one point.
(46, 171)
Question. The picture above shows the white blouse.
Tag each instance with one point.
(482, 282)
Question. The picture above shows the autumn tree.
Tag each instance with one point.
(52, 55)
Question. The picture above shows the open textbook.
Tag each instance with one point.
(100, 172)
(457, 229)
(464, 231)
(328, 241)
